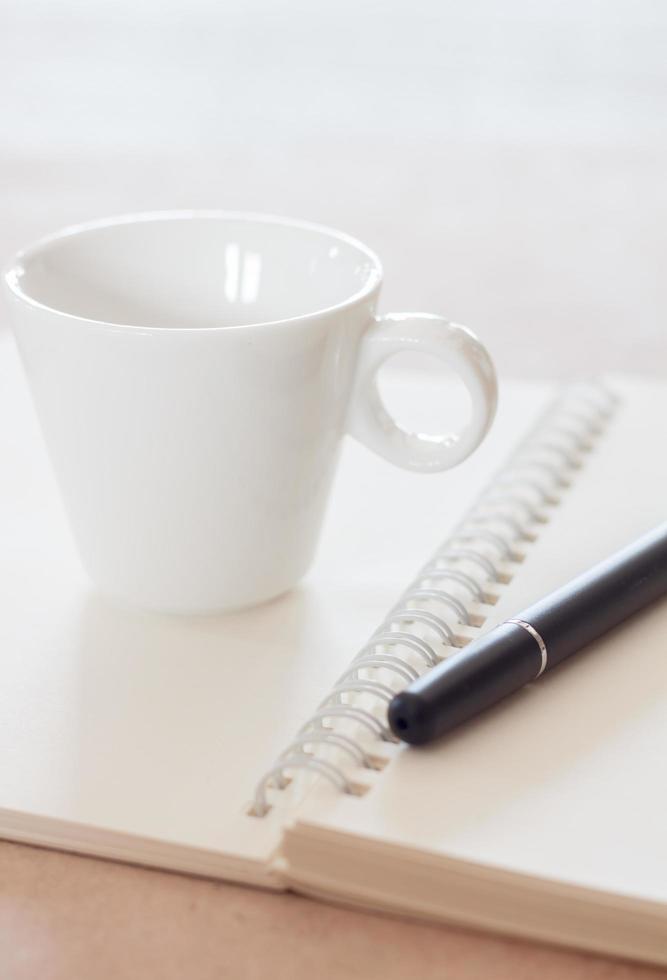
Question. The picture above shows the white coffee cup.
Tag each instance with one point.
(194, 373)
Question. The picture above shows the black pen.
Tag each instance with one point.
(522, 648)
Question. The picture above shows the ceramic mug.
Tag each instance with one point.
(194, 373)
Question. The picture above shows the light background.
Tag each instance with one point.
(507, 160)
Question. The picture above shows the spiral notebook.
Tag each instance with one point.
(254, 747)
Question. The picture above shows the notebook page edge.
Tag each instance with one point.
(644, 400)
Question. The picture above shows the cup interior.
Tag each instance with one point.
(194, 270)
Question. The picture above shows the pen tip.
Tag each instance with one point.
(407, 718)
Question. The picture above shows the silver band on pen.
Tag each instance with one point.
(538, 639)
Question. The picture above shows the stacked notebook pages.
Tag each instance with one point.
(546, 817)
(254, 747)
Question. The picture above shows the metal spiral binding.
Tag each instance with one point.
(448, 599)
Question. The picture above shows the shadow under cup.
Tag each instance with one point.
(192, 373)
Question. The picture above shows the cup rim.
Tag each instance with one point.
(12, 279)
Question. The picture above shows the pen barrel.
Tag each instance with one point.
(516, 652)
(601, 598)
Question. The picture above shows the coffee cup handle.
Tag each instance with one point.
(370, 422)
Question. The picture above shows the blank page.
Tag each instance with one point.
(141, 736)
(565, 780)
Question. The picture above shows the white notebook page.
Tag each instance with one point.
(141, 736)
(565, 781)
